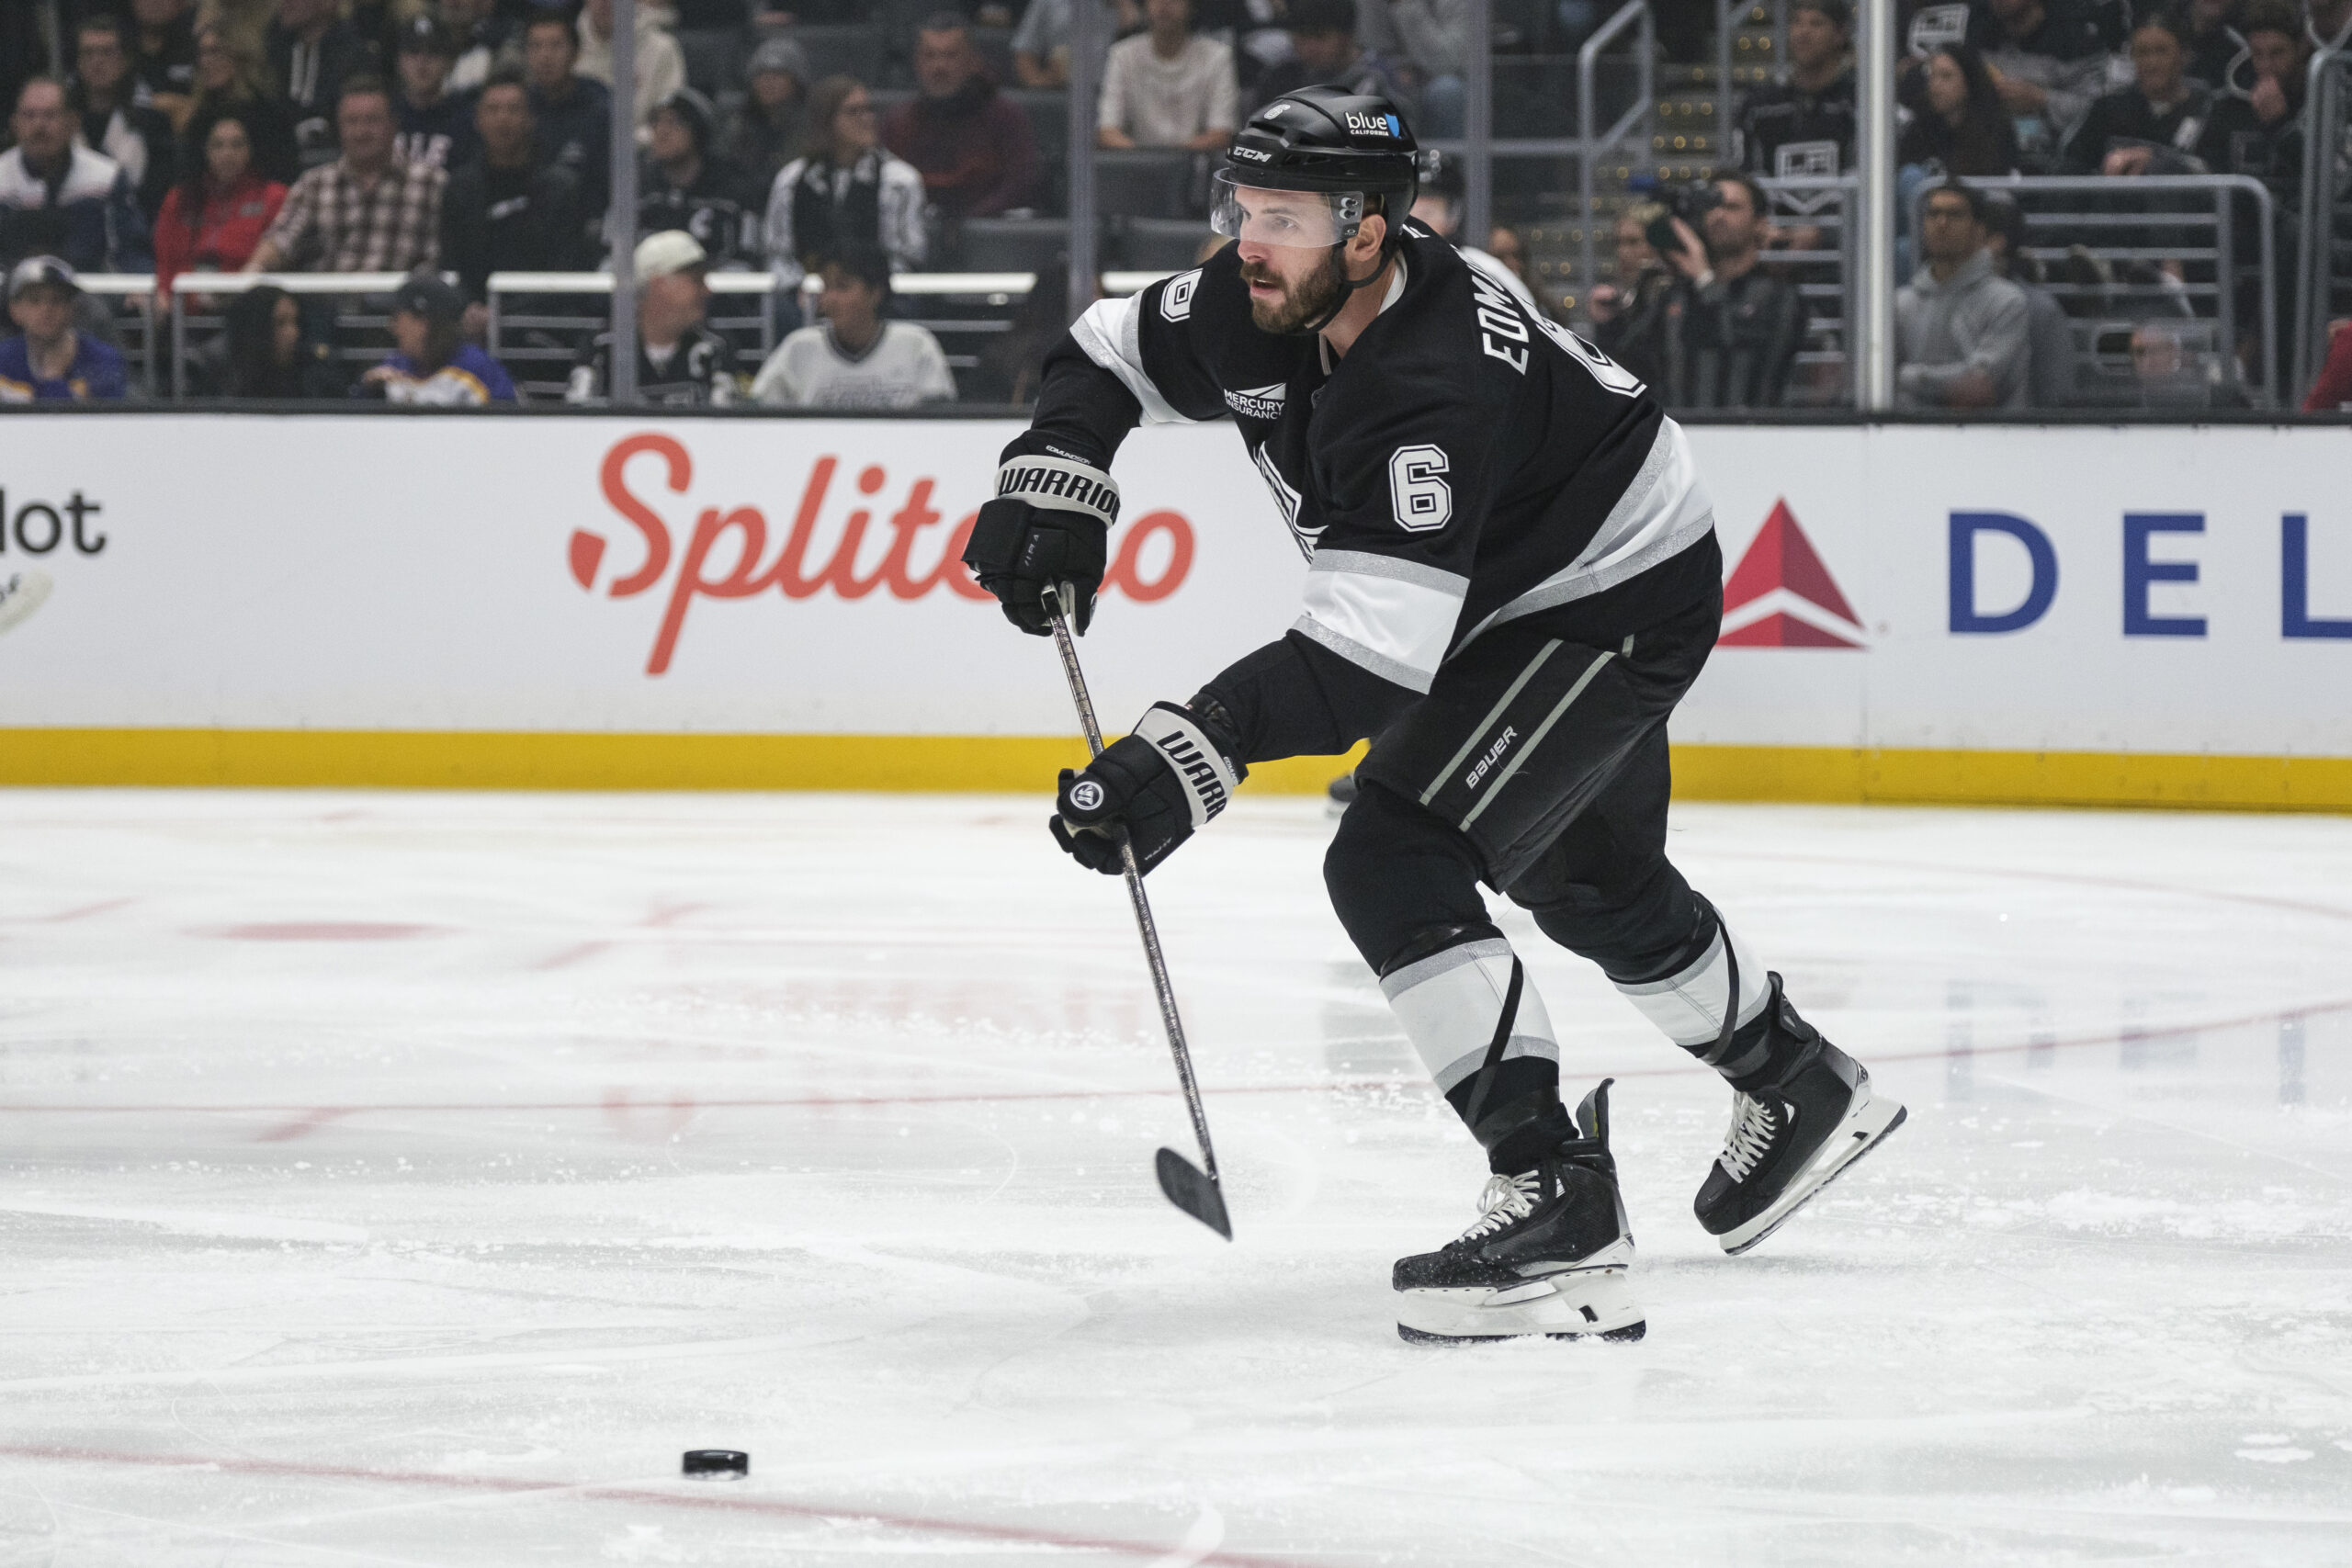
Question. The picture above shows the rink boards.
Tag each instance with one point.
(1993, 614)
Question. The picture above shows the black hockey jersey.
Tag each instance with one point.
(1468, 463)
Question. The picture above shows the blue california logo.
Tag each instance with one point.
(1375, 124)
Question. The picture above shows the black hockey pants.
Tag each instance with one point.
(1538, 766)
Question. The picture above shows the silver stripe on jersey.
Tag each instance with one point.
(1371, 659)
(1400, 612)
(1450, 1002)
(1665, 510)
(1111, 335)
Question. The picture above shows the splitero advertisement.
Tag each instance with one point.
(1957, 594)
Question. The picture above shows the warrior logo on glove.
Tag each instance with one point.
(1153, 789)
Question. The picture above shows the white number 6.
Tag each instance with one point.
(1416, 493)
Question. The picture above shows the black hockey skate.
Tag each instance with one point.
(1549, 1254)
(1793, 1134)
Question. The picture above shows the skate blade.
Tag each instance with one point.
(1863, 1130)
(1579, 1304)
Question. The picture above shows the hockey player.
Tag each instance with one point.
(1513, 577)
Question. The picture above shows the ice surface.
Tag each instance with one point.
(410, 1179)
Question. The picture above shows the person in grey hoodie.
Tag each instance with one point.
(1960, 329)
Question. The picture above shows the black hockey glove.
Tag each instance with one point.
(1046, 529)
(1152, 788)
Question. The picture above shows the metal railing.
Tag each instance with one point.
(194, 286)
(749, 295)
(1593, 145)
(1727, 100)
(2157, 222)
(1826, 206)
(139, 289)
(2323, 259)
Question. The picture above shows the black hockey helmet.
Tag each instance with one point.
(1346, 147)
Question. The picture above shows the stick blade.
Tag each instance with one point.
(1195, 1193)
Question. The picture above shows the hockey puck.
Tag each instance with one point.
(718, 1464)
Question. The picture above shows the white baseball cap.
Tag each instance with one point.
(34, 271)
(671, 250)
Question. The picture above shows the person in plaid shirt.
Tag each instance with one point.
(370, 211)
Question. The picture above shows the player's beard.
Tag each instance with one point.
(1308, 299)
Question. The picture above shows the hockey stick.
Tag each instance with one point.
(1197, 1192)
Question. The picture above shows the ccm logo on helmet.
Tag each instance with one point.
(1252, 153)
(1372, 124)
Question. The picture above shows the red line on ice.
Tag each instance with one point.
(301, 1117)
(514, 1485)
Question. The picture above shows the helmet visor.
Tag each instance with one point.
(1301, 219)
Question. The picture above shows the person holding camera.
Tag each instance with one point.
(1724, 333)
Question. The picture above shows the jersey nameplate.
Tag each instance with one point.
(1499, 324)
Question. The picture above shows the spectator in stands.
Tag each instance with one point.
(1728, 330)
(437, 126)
(686, 184)
(681, 362)
(847, 192)
(1324, 51)
(1170, 86)
(137, 137)
(506, 212)
(213, 219)
(2209, 28)
(2328, 23)
(431, 364)
(53, 360)
(162, 49)
(267, 351)
(970, 143)
(660, 64)
(573, 115)
(1504, 245)
(2153, 124)
(1041, 44)
(59, 198)
(1960, 127)
(1805, 126)
(2050, 358)
(1961, 331)
(1431, 39)
(1627, 314)
(487, 42)
(772, 125)
(370, 211)
(2175, 367)
(2261, 133)
(229, 80)
(855, 359)
(311, 52)
(2049, 60)
(2333, 390)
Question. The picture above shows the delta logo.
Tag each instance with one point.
(1780, 595)
(1372, 124)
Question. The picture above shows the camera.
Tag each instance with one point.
(1690, 202)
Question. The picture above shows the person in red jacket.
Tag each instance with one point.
(2333, 390)
(214, 218)
(971, 144)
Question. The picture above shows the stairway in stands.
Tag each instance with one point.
(1684, 144)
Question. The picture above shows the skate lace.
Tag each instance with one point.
(1506, 1200)
(1753, 1124)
